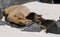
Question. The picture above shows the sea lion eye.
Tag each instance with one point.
(14, 15)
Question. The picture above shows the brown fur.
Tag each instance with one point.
(16, 8)
(16, 14)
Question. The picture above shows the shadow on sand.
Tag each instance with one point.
(3, 23)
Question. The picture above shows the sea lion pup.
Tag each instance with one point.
(16, 14)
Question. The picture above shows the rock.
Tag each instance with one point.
(32, 27)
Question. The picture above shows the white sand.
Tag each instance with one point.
(49, 11)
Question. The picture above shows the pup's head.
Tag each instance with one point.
(33, 16)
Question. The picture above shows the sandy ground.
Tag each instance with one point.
(49, 11)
